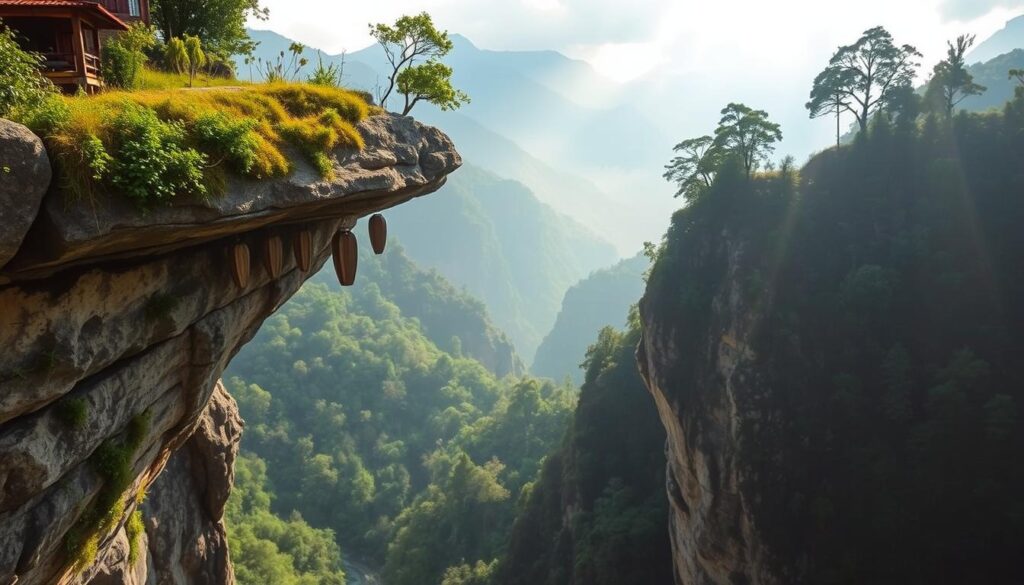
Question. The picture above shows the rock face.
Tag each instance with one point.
(705, 390)
(116, 327)
(24, 178)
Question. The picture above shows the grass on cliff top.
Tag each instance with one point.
(154, 145)
(153, 79)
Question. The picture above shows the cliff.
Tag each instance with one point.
(117, 324)
(835, 356)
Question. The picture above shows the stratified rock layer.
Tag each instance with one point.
(116, 327)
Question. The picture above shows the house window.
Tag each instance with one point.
(133, 8)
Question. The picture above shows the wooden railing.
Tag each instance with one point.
(92, 64)
(65, 63)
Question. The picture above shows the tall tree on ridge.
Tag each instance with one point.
(861, 78)
(748, 134)
(951, 83)
(743, 133)
(694, 167)
(831, 79)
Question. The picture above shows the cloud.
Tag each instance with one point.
(553, 23)
(970, 9)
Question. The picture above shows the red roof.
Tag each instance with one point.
(98, 9)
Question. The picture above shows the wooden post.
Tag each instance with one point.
(345, 252)
(78, 42)
(378, 233)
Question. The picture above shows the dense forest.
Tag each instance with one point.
(885, 287)
(359, 423)
(597, 514)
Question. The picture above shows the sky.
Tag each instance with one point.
(676, 61)
(627, 39)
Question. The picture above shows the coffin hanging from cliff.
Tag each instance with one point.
(240, 264)
(345, 252)
(378, 233)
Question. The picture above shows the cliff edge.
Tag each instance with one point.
(116, 438)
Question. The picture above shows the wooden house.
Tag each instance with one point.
(68, 34)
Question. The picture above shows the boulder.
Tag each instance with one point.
(24, 179)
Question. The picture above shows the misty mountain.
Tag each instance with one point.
(532, 107)
(600, 300)
(993, 75)
(1003, 41)
(493, 237)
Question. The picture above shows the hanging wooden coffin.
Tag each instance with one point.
(240, 264)
(303, 246)
(378, 233)
(273, 256)
(345, 252)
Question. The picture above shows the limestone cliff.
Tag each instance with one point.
(703, 391)
(116, 325)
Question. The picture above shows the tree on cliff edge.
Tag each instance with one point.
(951, 83)
(414, 47)
(863, 77)
(743, 134)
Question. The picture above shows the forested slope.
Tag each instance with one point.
(412, 455)
(597, 514)
(841, 351)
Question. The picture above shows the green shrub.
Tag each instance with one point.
(151, 163)
(112, 461)
(124, 56)
(22, 88)
(45, 116)
(233, 139)
(120, 66)
(328, 75)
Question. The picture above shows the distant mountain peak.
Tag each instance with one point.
(1008, 38)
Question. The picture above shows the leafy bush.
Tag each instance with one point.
(235, 137)
(151, 162)
(22, 88)
(125, 55)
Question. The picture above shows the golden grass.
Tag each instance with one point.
(313, 119)
(152, 79)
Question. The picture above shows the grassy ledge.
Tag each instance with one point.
(154, 145)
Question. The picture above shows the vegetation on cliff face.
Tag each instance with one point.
(885, 287)
(412, 455)
(597, 513)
